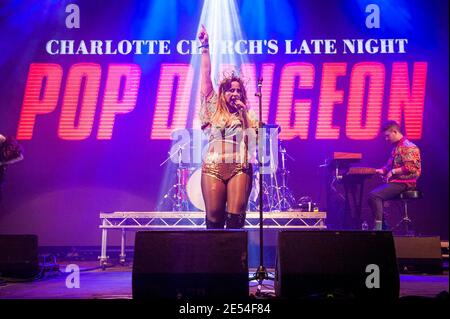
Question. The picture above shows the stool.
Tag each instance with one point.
(406, 197)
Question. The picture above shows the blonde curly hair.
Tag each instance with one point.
(222, 114)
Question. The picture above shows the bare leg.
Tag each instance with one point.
(238, 192)
(215, 194)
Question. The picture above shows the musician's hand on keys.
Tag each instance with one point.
(389, 175)
(380, 172)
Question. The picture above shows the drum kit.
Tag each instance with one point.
(186, 193)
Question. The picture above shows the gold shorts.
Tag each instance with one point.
(225, 171)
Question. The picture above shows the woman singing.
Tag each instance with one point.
(226, 172)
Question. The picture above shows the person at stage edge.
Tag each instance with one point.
(10, 152)
(400, 173)
(228, 123)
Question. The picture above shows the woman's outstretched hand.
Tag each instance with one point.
(203, 35)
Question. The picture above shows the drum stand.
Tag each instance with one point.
(271, 190)
(274, 190)
(177, 193)
(253, 203)
(284, 195)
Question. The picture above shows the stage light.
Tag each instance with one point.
(222, 22)
(221, 19)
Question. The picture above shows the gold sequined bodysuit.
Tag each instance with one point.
(228, 153)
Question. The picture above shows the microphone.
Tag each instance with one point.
(234, 101)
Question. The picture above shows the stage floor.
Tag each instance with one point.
(115, 283)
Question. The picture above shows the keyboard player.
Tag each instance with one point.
(400, 173)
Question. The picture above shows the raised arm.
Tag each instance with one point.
(206, 84)
(17, 159)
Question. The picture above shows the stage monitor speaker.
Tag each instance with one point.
(19, 256)
(358, 265)
(419, 254)
(199, 264)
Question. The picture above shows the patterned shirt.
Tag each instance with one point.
(405, 156)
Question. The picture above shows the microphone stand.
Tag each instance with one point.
(261, 273)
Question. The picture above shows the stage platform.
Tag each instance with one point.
(115, 283)
(125, 221)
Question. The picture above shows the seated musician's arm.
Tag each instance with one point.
(11, 151)
(17, 159)
(411, 162)
(385, 169)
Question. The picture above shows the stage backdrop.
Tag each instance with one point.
(93, 89)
